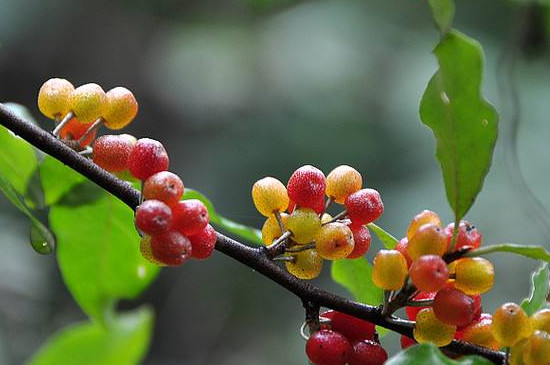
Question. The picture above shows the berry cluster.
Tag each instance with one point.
(343, 339)
(297, 222)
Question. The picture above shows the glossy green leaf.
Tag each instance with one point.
(250, 234)
(17, 160)
(356, 276)
(540, 281)
(98, 253)
(387, 239)
(464, 124)
(124, 342)
(429, 354)
(533, 252)
(443, 12)
(57, 179)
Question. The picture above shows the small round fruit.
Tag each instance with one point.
(429, 273)
(389, 270)
(74, 130)
(147, 251)
(304, 224)
(454, 307)
(121, 108)
(412, 312)
(88, 102)
(479, 333)
(354, 329)
(203, 243)
(467, 236)
(364, 206)
(171, 248)
(111, 152)
(190, 216)
(402, 247)
(424, 217)
(271, 229)
(164, 186)
(306, 187)
(153, 217)
(536, 350)
(430, 329)
(516, 353)
(334, 241)
(147, 158)
(429, 239)
(53, 98)
(362, 240)
(474, 275)
(306, 265)
(341, 182)
(510, 324)
(269, 196)
(368, 352)
(541, 320)
(327, 347)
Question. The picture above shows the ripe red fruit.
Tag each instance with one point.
(203, 243)
(306, 187)
(362, 239)
(364, 206)
(467, 235)
(429, 273)
(147, 158)
(111, 152)
(190, 216)
(402, 247)
(454, 307)
(407, 342)
(153, 217)
(413, 311)
(327, 347)
(367, 352)
(171, 248)
(354, 329)
(73, 130)
(164, 186)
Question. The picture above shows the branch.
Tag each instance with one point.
(255, 258)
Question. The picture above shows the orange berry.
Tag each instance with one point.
(121, 108)
(536, 350)
(334, 241)
(424, 217)
(474, 275)
(73, 130)
(269, 196)
(429, 239)
(479, 333)
(510, 324)
(271, 230)
(541, 320)
(341, 182)
(53, 97)
(389, 270)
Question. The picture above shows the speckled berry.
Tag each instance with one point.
(147, 158)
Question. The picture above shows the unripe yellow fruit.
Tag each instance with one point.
(429, 239)
(146, 251)
(536, 350)
(389, 270)
(343, 181)
(516, 353)
(474, 275)
(480, 334)
(304, 224)
(271, 229)
(510, 324)
(88, 102)
(541, 320)
(121, 108)
(269, 196)
(424, 217)
(334, 241)
(430, 329)
(307, 265)
(53, 97)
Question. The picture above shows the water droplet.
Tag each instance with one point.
(445, 97)
(141, 271)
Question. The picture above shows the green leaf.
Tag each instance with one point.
(533, 252)
(443, 12)
(387, 239)
(540, 281)
(124, 342)
(17, 160)
(429, 354)
(245, 232)
(98, 253)
(356, 276)
(57, 179)
(42, 240)
(464, 124)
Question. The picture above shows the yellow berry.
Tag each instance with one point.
(474, 275)
(536, 350)
(269, 196)
(88, 102)
(424, 217)
(271, 229)
(429, 239)
(304, 224)
(146, 252)
(53, 98)
(430, 329)
(307, 264)
(516, 353)
(343, 181)
(479, 333)
(541, 320)
(121, 108)
(334, 241)
(389, 270)
(510, 324)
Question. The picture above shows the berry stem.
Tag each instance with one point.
(278, 246)
(280, 221)
(301, 248)
(327, 205)
(93, 127)
(419, 303)
(342, 214)
(312, 315)
(63, 122)
(284, 258)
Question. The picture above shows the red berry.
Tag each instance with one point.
(362, 239)
(171, 248)
(164, 186)
(467, 235)
(429, 273)
(454, 307)
(402, 247)
(73, 130)
(291, 206)
(190, 216)
(413, 311)
(354, 329)
(203, 243)
(407, 342)
(111, 152)
(306, 187)
(364, 206)
(326, 347)
(367, 352)
(147, 158)
(153, 217)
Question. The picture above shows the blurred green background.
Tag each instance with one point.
(238, 90)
